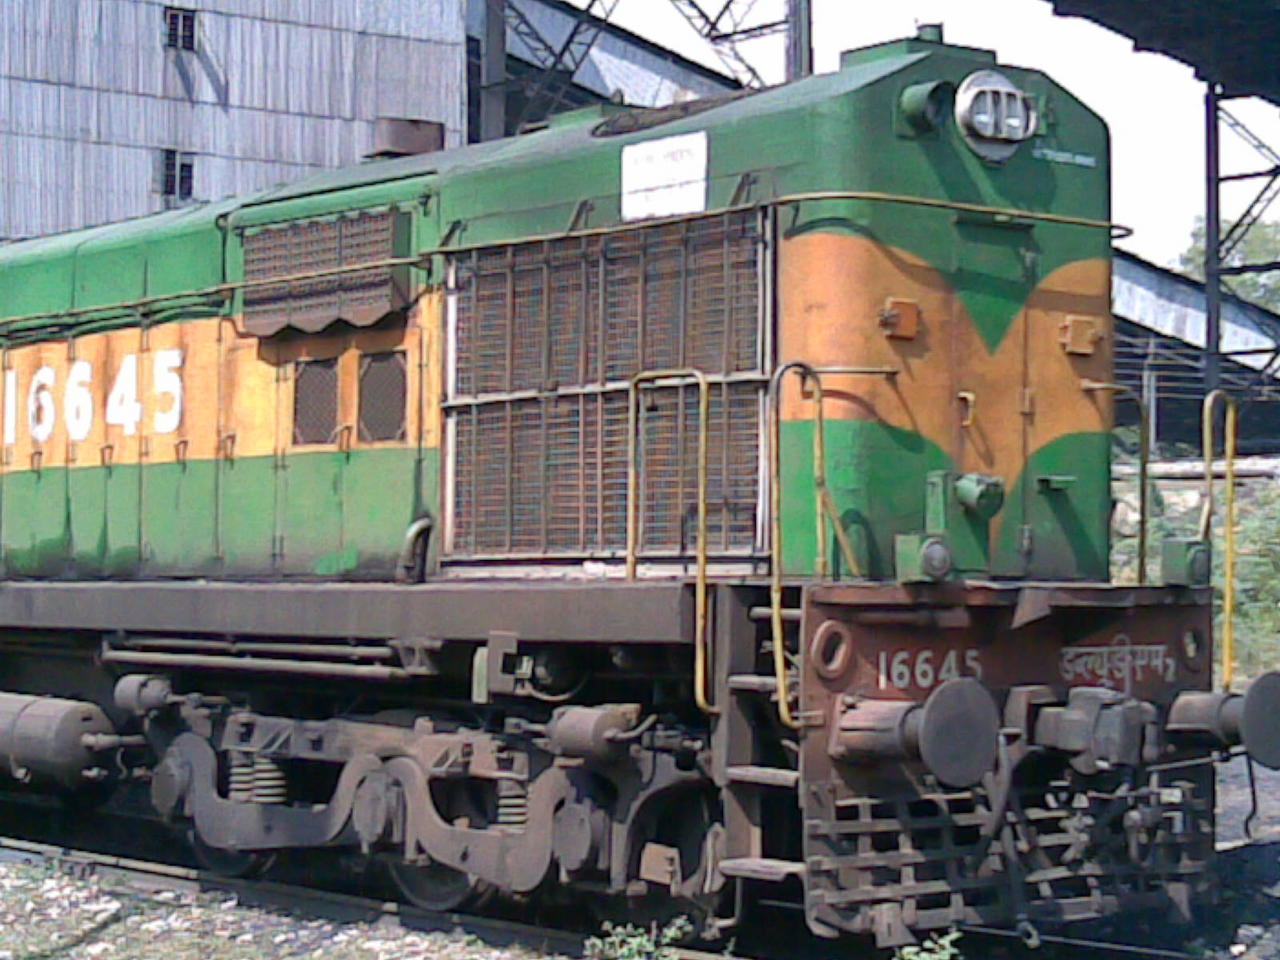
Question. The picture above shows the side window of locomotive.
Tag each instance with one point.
(383, 391)
(315, 401)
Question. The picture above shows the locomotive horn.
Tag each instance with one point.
(955, 733)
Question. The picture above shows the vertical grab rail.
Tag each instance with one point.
(700, 694)
(1144, 457)
(1211, 400)
(824, 509)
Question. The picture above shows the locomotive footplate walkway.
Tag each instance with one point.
(587, 611)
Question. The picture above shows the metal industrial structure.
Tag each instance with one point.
(1232, 49)
(110, 110)
(529, 59)
(113, 110)
(1160, 337)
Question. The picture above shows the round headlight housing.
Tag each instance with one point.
(993, 115)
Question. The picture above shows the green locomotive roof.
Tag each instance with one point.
(794, 138)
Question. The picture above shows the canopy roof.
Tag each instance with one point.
(1232, 42)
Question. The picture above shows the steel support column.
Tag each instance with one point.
(1212, 244)
(493, 71)
(799, 39)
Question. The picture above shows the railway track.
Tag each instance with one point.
(148, 877)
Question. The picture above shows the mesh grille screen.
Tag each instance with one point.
(315, 401)
(547, 336)
(312, 246)
(382, 396)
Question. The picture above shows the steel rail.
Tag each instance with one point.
(496, 932)
(1057, 940)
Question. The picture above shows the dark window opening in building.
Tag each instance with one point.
(382, 396)
(179, 28)
(177, 178)
(315, 401)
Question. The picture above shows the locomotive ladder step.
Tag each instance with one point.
(789, 614)
(753, 683)
(764, 776)
(761, 868)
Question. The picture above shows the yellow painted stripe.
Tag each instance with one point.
(237, 391)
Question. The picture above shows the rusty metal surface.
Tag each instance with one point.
(887, 847)
(656, 612)
(547, 336)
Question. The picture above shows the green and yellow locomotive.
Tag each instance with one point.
(686, 507)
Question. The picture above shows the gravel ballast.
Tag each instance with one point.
(45, 913)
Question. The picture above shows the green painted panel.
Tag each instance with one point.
(247, 515)
(384, 491)
(178, 519)
(35, 525)
(87, 493)
(1066, 490)
(122, 556)
(876, 474)
(113, 274)
(312, 516)
(344, 515)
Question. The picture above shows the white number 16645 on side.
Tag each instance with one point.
(900, 669)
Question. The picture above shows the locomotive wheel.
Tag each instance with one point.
(434, 886)
(229, 863)
(689, 822)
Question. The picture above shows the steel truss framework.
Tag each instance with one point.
(545, 89)
(1223, 241)
(725, 24)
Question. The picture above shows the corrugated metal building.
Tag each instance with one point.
(115, 108)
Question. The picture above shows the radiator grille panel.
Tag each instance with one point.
(546, 338)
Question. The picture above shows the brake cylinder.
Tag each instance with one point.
(50, 740)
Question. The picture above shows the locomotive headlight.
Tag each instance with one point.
(993, 115)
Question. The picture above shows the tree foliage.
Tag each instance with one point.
(1260, 245)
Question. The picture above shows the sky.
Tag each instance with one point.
(1153, 105)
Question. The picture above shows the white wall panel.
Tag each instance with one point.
(278, 89)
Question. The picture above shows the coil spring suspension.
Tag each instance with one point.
(513, 804)
(240, 782)
(269, 784)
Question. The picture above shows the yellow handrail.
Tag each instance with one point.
(1206, 517)
(700, 694)
(824, 510)
(1144, 456)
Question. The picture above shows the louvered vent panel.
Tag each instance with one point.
(360, 297)
(547, 336)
